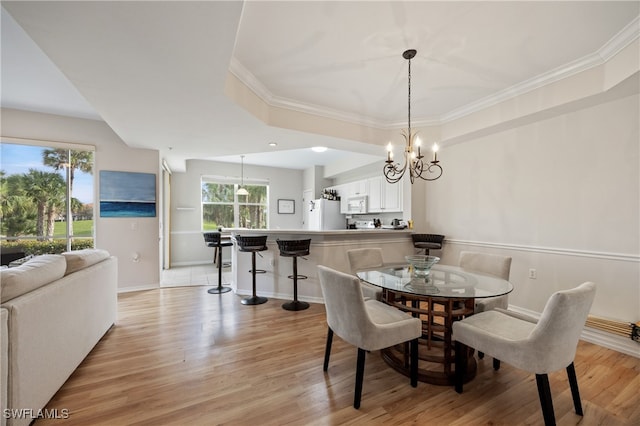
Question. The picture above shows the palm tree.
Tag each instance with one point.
(55, 206)
(19, 216)
(47, 190)
(17, 210)
(59, 160)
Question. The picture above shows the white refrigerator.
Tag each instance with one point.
(325, 215)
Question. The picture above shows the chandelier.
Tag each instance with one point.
(413, 158)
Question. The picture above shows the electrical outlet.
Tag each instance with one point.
(533, 274)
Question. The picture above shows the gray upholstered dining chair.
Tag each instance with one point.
(364, 258)
(541, 347)
(369, 325)
(492, 264)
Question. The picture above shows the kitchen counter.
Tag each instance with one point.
(327, 248)
(328, 234)
(309, 231)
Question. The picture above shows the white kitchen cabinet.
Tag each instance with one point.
(384, 196)
(342, 193)
(344, 200)
(376, 197)
(392, 196)
(358, 188)
(350, 190)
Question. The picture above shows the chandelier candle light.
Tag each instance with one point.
(393, 172)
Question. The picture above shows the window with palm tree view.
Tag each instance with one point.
(222, 207)
(46, 199)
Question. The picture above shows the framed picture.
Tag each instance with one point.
(286, 206)
(127, 194)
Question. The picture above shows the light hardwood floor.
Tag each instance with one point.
(181, 356)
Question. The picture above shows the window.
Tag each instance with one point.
(46, 195)
(223, 208)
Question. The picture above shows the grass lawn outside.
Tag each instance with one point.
(81, 228)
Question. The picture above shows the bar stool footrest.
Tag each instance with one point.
(300, 277)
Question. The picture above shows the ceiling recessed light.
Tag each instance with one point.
(319, 148)
(273, 144)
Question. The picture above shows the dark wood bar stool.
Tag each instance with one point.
(295, 249)
(253, 245)
(427, 241)
(214, 239)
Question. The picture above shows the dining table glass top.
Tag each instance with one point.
(442, 281)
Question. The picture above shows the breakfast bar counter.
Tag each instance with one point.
(327, 248)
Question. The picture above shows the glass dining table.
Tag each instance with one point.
(446, 295)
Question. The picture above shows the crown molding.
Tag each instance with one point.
(626, 36)
(250, 80)
(256, 86)
(621, 40)
(519, 89)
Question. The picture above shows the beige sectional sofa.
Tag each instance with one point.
(53, 311)
(4, 360)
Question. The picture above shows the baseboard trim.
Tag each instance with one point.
(138, 288)
(597, 337)
(194, 263)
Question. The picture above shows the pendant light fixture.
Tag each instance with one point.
(393, 172)
(241, 189)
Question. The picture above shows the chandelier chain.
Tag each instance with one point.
(409, 98)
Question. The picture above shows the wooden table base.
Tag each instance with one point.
(436, 350)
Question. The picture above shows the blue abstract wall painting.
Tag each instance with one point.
(127, 194)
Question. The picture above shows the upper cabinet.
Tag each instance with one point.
(357, 188)
(384, 196)
(349, 190)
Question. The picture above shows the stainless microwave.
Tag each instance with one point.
(357, 204)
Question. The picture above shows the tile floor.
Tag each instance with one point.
(206, 275)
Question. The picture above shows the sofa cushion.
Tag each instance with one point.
(80, 259)
(31, 275)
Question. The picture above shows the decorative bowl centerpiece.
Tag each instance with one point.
(421, 264)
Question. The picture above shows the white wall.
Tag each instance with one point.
(560, 195)
(313, 179)
(117, 235)
(187, 244)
